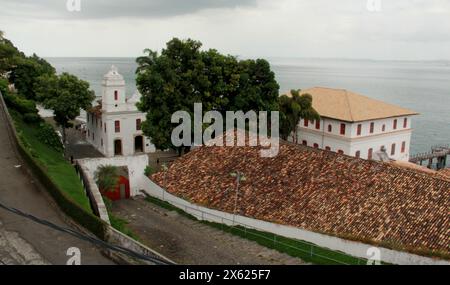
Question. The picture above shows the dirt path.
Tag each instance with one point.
(21, 240)
(189, 242)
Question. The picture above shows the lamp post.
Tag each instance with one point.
(164, 169)
(239, 177)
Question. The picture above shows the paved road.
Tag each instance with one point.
(23, 241)
(189, 242)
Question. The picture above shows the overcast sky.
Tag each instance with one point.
(401, 29)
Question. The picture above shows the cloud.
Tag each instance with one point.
(104, 9)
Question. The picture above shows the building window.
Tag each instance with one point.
(117, 126)
(101, 142)
(93, 136)
(318, 124)
(316, 145)
(330, 128)
(405, 123)
(340, 151)
(358, 154)
(105, 127)
(372, 127)
(370, 154)
(403, 147)
(116, 95)
(87, 117)
(304, 143)
(138, 124)
(395, 124)
(393, 149)
(342, 129)
(358, 133)
(383, 129)
(305, 123)
(328, 148)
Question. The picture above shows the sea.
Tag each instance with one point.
(422, 86)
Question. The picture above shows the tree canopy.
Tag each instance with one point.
(65, 95)
(183, 74)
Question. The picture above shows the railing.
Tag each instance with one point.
(268, 239)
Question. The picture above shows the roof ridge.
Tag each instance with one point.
(348, 104)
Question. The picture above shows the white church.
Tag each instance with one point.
(114, 125)
(356, 125)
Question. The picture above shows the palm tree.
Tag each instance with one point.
(106, 177)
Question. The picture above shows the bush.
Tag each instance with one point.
(32, 118)
(48, 136)
(148, 171)
(19, 104)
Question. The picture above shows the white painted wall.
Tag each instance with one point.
(350, 247)
(351, 142)
(136, 166)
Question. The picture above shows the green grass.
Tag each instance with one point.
(306, 251)
(60, 171)
(119, 223)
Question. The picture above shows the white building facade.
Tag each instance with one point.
(356, 125)
(114, 126)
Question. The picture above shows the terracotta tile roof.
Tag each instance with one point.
(347, 106)
(444, 173)
(96, 110)
(320, 191)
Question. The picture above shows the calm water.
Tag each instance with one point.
(420, 86)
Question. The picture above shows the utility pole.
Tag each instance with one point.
(239, 177)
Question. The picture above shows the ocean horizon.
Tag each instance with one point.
(422, 86)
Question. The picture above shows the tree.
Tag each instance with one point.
(65, 95)
(106, 177)
(9, 55)
(183, 75)
(292, 109)
(26, 73)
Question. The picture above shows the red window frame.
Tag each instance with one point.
(328, 148)
(370, 154)
(305, 123)
(116, 95)
(304, 143)
(330, 128)
(383, 128)
(372, 127)
(359, 130)
(138, 124)
(405, 123)
(403, 147)
(342, 129)
(340, 151)
(358, 154)
(395, 124)
(316, 145)
(318, 124)
(117, 126)
(393, 147)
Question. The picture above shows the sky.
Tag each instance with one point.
(369, 29)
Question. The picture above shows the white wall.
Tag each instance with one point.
(136, 166)
(351, 142)
(350, 247)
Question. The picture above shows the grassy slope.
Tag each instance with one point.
(60, 171)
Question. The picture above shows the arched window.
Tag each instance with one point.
(138, 124)
(330, 128)
(304, 142)
(342, 129)
(393, 149)
(340, 151)
(316, 145)
(117, 126)
(328, 148)
(358, 154)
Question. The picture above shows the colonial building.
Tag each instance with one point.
(114, 125)
(356, 125)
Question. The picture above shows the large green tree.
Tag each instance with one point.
(9, 55)
(65, 95)
(183, 74)
(292, 109)
(26, 73)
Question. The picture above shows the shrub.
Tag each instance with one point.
(148, 170)
(107, 177)
(48, 136)
(21, 105)
(32, 118)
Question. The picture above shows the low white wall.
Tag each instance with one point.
(136, 166)
(356, 249)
